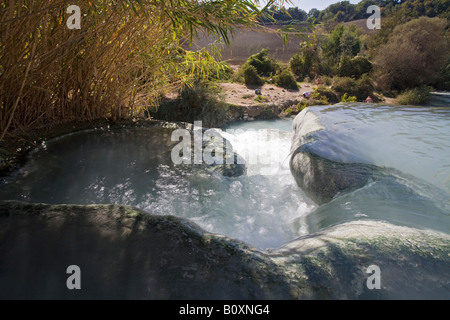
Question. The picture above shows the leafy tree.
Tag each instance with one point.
(414, 54)
(306, 62)
(343, 41)
(314, 13)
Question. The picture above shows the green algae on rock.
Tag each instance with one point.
(125, 253)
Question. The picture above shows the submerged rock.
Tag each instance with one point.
(125, 253)
(228, 163)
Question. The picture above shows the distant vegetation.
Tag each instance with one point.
(128, 55)
(409, 54)
(280, 16)
(419, 95)
(344, 11)
(413, 55)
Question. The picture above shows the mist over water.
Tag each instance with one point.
(264, 208)
(134, 167)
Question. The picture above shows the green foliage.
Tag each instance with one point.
(261, 99)
(286, 80)
(354, 67)
(443, 79)
(344, 11)
(281, 16)
(360, 88)
(419, 95)
(306, 62)
(200, 102)
(251, 76)
(301, 106)
(264, 65)
(257, 66)
(325, 95)
(124, 58)
(347, 98)
(202, 66)
(288, 111)
(297, 65)
(414, 54)
(326, 80)
(343, 41)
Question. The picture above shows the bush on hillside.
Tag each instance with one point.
(347, 98)
(323, 93)
(413, 55)
(264, 65)
(297, 66)
(443, 80)
(359, 88)
(354, 67)
(199, 102)
(251, 76)
(419, 95)
(286, 80)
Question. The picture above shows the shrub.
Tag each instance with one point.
(346, 98)
(325, 94)
(355, 67)
(297, 66)
(301, 106)
(419, 95)
(443, 80)
(194, 103)
(362, 65)
(288, 111)
(306, 62)
(414, 54)
(359, 88)
(286, 80)
(326, 80)
(262, 63)
(261, 99)
(251, 76)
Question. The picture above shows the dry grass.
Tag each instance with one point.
(120, 61)
(50, 73)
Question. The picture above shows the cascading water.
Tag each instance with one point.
(265, 207)
(406, 148)
(134, 167)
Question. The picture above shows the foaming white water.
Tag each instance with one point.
(259, 208)
(266, 151)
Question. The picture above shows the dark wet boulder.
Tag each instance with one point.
(339, 262)
(125, 253)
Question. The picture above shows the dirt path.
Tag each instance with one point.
(242, 95)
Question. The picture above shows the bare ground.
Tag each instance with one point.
(242, 95)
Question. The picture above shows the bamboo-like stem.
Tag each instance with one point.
(19, 95)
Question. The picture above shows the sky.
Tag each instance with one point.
(318, 4)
